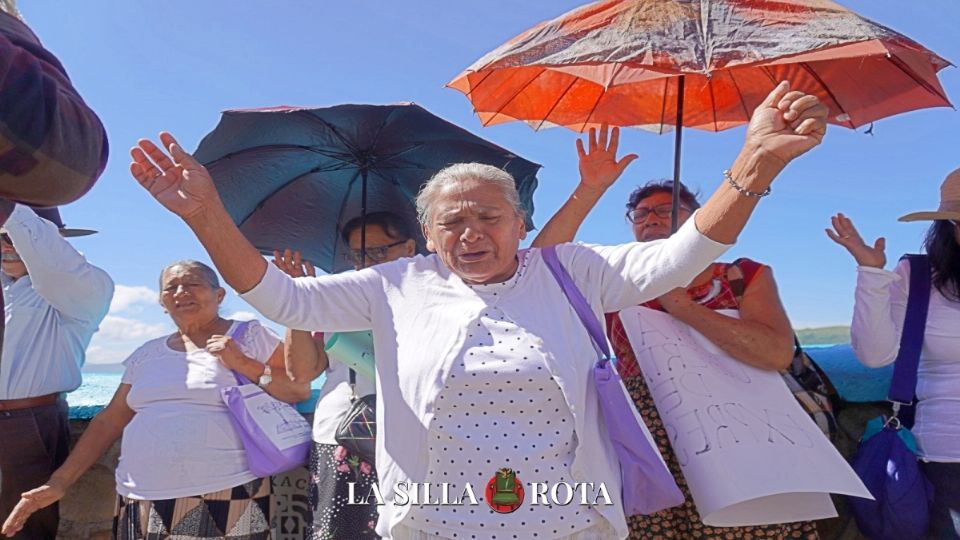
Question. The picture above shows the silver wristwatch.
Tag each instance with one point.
(266, 377)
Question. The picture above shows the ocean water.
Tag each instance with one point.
(99, 387)
(854, 382)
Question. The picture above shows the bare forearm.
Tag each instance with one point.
(563, 226)
(304, 356)
(750, 342)
(723, 216)
(237, 260)
(95, 441)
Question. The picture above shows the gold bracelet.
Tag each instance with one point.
(742, 190)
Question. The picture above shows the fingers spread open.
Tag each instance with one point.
(581, 153)
(158, 156)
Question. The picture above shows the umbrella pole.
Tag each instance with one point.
(675, 200)
(363, 217)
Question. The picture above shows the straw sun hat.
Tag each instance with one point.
(949, 202)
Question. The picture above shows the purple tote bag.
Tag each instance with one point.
(648, 486)
(254, 414)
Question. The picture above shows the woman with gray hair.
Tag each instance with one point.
(183, 470)
(483, 367)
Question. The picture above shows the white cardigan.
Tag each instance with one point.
(419, 310)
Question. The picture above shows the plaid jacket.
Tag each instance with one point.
(52, 146)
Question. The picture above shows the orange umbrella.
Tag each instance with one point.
(656, 64)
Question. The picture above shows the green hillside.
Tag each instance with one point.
(827, 335)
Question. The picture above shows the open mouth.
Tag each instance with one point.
(472, 256)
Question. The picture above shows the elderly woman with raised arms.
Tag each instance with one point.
(482, 364)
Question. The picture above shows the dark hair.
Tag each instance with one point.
(944, 255)
(209, 275)
(393, 225)
(687, 197)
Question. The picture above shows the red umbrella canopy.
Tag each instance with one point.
(618, 62)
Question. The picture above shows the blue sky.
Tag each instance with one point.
(147, 66)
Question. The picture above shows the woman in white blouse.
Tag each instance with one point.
(482, 364)
(183, 470)
(878, 318)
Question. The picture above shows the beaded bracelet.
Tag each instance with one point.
(742, 190)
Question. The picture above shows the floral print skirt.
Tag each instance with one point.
(684, 521)
(332, 469)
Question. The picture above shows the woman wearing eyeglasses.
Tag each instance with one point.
(761, 337)
(332, 468)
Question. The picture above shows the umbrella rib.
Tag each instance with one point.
(517, 93)
(343, 140)
(663, 105)
(592, 110)
(746, 111)
(909, 72)
(343, 207)
(481, 81)
(556, 103)
(809, 69)
(713, 104)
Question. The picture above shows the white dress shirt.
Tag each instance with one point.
(420, 311)
(879, 311)
(51, 313)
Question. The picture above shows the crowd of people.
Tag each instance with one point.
(479, 353)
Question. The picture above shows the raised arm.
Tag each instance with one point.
(105, 428)
(880, 299)
(183, 186)
(58, 272)
(176, 180)
(786, 125)
(599, 169)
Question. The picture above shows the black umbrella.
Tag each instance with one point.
(291, 177)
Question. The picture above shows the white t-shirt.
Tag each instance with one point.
(181, 441)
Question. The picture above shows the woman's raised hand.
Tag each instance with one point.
(30, 502)
(845, 234)
(293, 264)
(787, 124)
(599, 167)
(174, 178)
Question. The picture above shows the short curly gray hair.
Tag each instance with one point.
(461, 172)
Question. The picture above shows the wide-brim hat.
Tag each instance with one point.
(53, 215)
(949, 202)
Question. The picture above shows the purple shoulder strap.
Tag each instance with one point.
(237, 335)
(576, 299)
(903, 386)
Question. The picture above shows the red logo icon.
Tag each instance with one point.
(504, 492)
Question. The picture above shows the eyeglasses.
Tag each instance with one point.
(663, 211)
(376, 254)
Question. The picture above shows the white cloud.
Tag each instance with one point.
(241, 316)
(132, 298)
(134, 318)
(120, 336)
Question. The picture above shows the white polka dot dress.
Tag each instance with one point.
(500, 407)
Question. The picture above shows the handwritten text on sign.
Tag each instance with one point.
(748, 451)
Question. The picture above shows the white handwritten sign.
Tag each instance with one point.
(749, 452)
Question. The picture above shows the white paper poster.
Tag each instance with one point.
(280, 422)
(750, 454)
